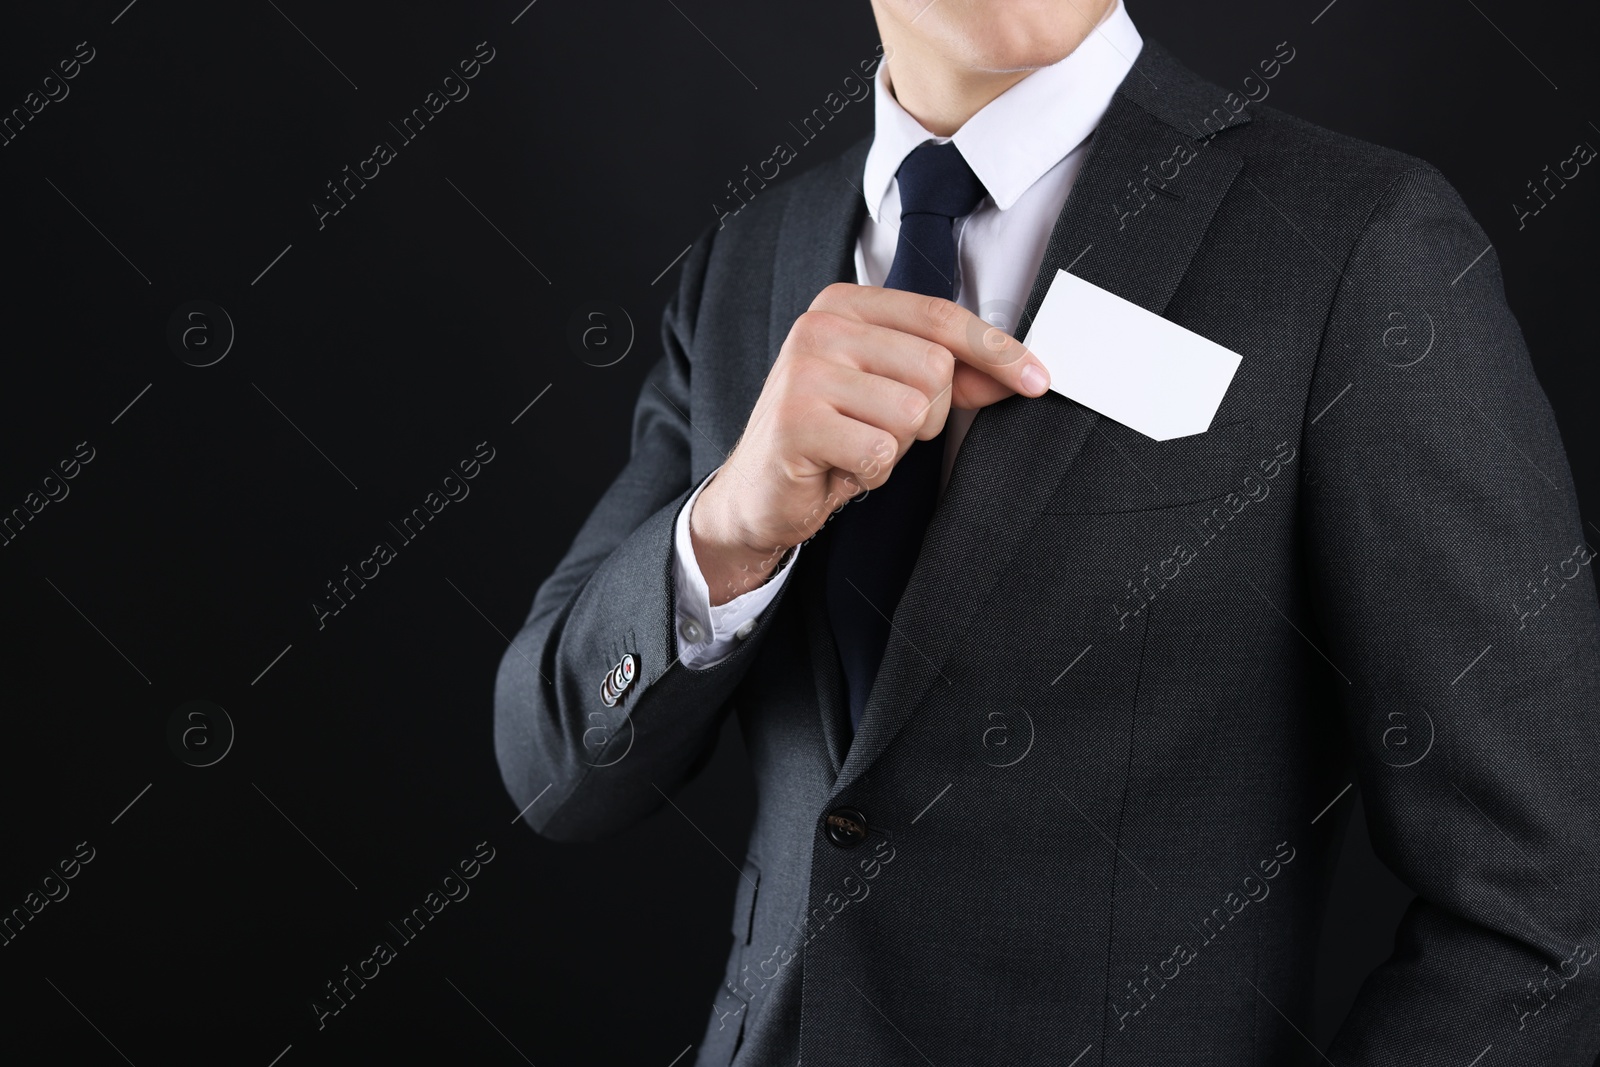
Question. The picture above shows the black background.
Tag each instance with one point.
(369, 359)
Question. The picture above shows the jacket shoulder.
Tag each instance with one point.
(755, 210)
(1302, 148)
(1331, 173)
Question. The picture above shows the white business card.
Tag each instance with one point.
(1114, 357)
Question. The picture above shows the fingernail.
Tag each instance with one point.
(1034, 379)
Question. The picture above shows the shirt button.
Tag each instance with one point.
(745, 629)
(690, 630)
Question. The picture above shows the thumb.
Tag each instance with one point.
(972, 388)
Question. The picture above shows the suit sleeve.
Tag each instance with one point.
(581, 769)
(1453, 589)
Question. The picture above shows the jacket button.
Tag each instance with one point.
(846, 827)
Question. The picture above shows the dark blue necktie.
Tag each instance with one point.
(874, 541)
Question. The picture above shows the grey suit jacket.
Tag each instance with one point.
(1093, 803)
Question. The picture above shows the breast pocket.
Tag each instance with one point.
(1122, 470)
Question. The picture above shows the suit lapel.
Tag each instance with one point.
(1016, 451)
(816, 247)
(816, 240)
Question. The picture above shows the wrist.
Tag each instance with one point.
(731, 562)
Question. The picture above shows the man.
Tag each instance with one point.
(1052, 723)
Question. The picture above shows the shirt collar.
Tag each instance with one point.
(1023, 132)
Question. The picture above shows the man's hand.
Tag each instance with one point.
(863, 373)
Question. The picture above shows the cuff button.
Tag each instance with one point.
(617, 680)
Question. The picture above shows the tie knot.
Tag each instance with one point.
(935, 180)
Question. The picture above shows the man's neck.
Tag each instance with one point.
(939, 93)
(941, 98)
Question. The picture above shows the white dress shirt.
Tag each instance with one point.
(1026, 147)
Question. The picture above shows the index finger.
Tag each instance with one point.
(944, 322)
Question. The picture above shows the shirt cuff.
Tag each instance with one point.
(707, 635)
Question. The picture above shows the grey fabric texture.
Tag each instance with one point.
(1103, 763)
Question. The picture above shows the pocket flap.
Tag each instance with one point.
(1122, 470)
